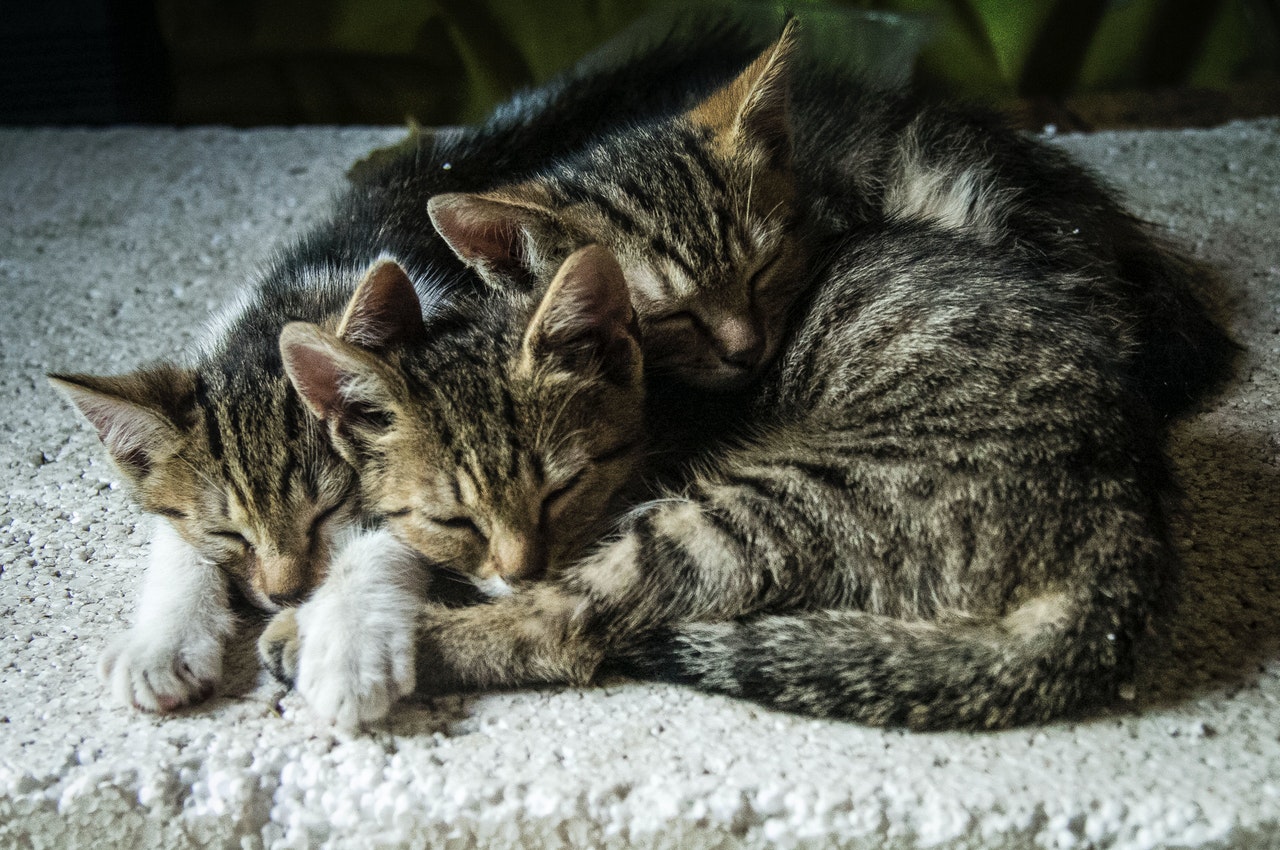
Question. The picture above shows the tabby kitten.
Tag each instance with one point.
(246, 490)
(501, 442)
(856, 555)
(947, 516)
(712, 213)
(247, 494)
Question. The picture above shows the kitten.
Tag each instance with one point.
(247, 493)
(502, 441)
(854, 555)
(712, 212)
(948, 515)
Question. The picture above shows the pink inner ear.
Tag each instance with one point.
(385, 309)
(129, 433)
(586, 315)
(480, 231)
(317, 379)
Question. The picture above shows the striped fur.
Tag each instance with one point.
(943, 507)
(947, 516)
(496, 444)
(714, 213)
(219, 446)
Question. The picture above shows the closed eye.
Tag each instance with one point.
(555, 499)
(565, 487)
(762, 271)
(616, 453)
(324, 515)
(232, 537)
(683, 317)
(458, 523)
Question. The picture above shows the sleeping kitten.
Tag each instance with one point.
(501, 442)
(711, 214)
(245, 488)
(947, 515)
(935, 379)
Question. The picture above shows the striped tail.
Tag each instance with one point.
(923, 675)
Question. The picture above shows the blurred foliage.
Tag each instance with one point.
(449, 61)
(1033, 48)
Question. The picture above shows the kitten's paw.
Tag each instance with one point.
(278, 646)
(353, 661)
(162, 675)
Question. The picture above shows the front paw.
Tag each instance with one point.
(162, 674)
(349, 662)
(278, 646)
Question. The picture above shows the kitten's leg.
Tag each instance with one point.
(532, 637)
(349, 650)
(728, 549)
(676, 562)
(173, 654)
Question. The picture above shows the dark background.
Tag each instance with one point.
(1074, 63)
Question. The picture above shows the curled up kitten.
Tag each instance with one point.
(246, 494)
(947, 513)
(508, 435)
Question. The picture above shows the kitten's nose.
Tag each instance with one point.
(283, 579)
(740, 341)
(517, 555)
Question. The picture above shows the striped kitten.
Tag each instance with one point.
(501, 443)
(947, 516)
(246, 490)
(712, 214)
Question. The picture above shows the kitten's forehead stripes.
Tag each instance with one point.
(209, 412)
(685, 208)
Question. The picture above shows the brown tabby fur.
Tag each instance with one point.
(943, 510)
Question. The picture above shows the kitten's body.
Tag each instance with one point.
(245, 487)
(948, 515)
(811, 153)
(944, 507)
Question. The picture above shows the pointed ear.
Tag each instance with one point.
(384, 310)
(342, 385)
(136, 415)
(754, 109)
(585, 320)
(496, 233)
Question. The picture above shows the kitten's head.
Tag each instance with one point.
(699, 210)
(496, 446)
(228, 455)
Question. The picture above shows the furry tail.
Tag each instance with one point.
(1044, 661)
(1184, 354)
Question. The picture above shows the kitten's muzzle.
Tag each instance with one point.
(514, 555)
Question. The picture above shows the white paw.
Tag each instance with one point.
(162, 674)
(356, 638)
(353, 662)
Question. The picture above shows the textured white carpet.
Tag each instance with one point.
(114, 246)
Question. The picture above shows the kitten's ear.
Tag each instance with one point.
(384, 310)
(754, 109)
(138, 415)
(586, 320)
(496, 233)
(342, 385)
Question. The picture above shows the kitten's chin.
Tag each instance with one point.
(494, 587)
(716, 379)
